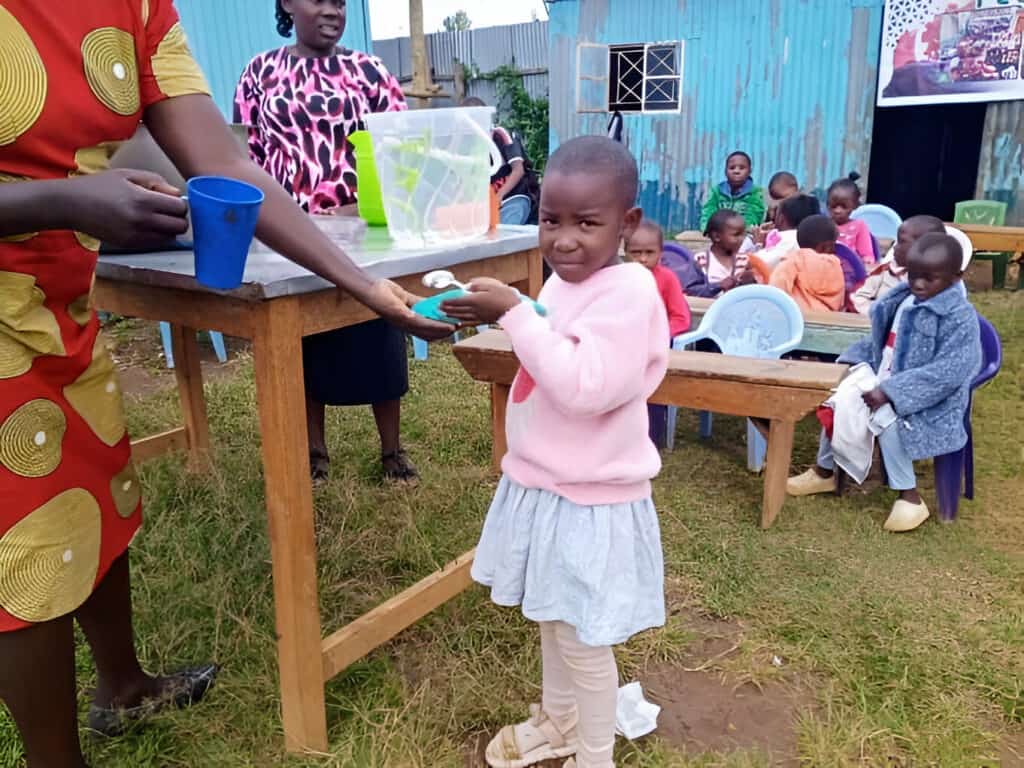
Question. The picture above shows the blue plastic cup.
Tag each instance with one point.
(224, 213)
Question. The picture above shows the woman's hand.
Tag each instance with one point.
(487, 301)
(392, 302)
(126, 207)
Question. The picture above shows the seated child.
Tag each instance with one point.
(736, 193)
(813, 275)
(644, 247)
(892, 271)
(572, 534)
(925, 348)
(843, 200)
(723, 266)
(783, 185)
(790, 215)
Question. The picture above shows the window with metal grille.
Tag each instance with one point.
(644, 77)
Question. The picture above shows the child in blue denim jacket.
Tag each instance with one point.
(925, 347)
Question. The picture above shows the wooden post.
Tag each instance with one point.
(458, 82)
(189, 373)
(421, 80)
(282, 406)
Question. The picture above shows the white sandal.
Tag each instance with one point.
(505, 751)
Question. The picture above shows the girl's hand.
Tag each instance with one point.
(875, 399)
(747, 277)
(727, 283)
(392, 302)
(760, 234)
(487, 301)
(126, 207)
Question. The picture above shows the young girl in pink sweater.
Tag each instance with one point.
(572, 535)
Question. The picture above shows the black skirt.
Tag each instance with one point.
(359, 365)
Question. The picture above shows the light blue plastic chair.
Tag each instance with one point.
(421, 349)
(882, 220)
(216, 338)
(750, 321)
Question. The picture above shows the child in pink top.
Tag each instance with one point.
(843, 200)
(572, 535)
(645, 248)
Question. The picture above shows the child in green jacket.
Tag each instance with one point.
(737, 193)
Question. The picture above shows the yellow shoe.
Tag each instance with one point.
(810, 483)
(906, 516)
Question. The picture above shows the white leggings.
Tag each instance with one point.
(580, 687)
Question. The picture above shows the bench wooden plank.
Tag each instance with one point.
(489, 357)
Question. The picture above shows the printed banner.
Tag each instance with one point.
(943, 51)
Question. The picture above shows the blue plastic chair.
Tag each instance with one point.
(421, 349)
(954, 472)
(216, 338)
(882, 220)
(750, 321)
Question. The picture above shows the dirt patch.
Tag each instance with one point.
(139, 356)
(706, 712)
(1011, 750)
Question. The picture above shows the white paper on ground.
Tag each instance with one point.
(634, 715)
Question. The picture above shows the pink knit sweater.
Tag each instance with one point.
(577, 416)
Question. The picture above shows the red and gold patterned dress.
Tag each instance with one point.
(74, 81)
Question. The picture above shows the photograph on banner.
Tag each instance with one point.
(938, 51)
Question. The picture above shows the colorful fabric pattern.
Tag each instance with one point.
(76, 78)
(300, 113)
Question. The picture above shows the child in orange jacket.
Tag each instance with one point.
(813, 275)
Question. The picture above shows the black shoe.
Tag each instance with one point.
(182, 689)
(398, 468)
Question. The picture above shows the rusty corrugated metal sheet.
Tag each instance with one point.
(792, 82)
(1002, 158)
(524, 46)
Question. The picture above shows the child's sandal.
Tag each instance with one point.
(506, 750)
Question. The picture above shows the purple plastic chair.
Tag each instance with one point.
(854, 271)
(954, 472)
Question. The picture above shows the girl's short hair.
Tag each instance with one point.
(847, 184)
(284, 21)
(740, 153)
(798, 208)
(720, 220)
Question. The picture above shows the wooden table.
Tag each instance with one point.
(825, 333)
(278, 305)
(997, 239)
(781, 391)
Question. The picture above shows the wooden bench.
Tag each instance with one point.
(781, 392)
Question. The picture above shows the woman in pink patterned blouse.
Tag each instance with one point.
(301, 102)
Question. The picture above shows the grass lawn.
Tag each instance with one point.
(866, 648)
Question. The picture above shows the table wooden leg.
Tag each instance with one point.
(776, 470)
(499, 404)
(535, 266)
(189, 373)
(282, 402)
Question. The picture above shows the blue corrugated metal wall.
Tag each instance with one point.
(792, 82)
(225, 34)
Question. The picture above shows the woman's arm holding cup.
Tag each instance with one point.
(192, 132)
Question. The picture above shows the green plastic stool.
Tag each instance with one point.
(991, 213)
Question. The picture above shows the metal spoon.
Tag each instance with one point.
(440, 279)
